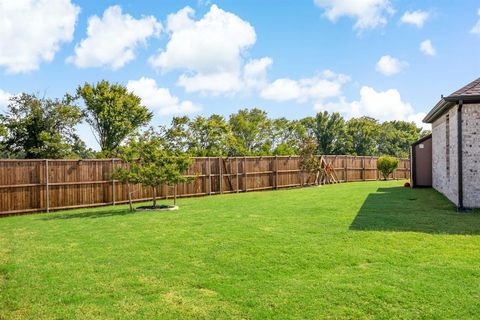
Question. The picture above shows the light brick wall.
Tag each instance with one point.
(448, 183)
(471, 155)
(444, 182)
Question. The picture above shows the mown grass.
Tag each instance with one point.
(358, 250)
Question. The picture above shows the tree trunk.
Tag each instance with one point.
(154, 197)
(129, 197)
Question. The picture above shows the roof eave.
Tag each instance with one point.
(438, 110)
(464, 98)
(446, 103)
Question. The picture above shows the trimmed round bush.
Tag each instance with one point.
(387, 165)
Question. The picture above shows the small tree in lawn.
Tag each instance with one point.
(170, 168)
(129, 172)
(309, 162)
(160, 165)
(150, 163)
(387, 165)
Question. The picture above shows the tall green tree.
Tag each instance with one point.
(287, 136)
(396, 138)
(177, 136)
(113, 113)
(79, 148)
(331, 133)
(36, 127)
(210, 136)
(309, 125)
(3, 138)
(252, 132)
(364, 135)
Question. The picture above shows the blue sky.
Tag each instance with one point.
(291, 58)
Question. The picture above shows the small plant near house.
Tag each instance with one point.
(387, 165)
(149, 162)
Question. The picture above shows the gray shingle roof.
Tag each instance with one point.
(471, 89)
(469, 94)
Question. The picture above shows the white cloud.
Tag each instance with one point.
(210, 50)
(369, 14)
(4, 98)
(427, 48)
(211, 83)
(255, 72)
(180, 20)
(31, 31)
(388, 65)
(112, 39)
(383, 105)
(282, 90)
(326, 85)
(160, 99)
(476, 27)
(417, 119)
(417, 18)
(211, 44)
(254, 77)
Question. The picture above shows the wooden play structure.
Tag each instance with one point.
(327, 172)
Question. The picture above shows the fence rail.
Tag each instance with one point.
(43, 185)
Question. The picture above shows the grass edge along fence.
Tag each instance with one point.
(42, 185)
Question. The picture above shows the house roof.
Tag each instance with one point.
(469, 93)
(470, 90)
(422, 139)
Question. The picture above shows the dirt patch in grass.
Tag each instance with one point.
(162, 207)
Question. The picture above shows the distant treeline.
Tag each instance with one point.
(34, 127)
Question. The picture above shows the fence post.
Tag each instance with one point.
(363, 168)
(209, 172)
(245, 173)
(113, 182)
(345, 166)
(238, 180)
(276, 172)
(47, 196)
(220, 174)
(300, 173)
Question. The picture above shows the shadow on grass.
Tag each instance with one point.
(92, 213)
(419, 210)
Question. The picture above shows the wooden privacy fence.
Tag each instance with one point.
(43, 185)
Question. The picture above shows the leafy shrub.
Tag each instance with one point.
(387, 165)
(309, 162)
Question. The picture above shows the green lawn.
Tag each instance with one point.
(358, 250)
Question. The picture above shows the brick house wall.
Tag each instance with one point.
(445, 162)
(471, 155)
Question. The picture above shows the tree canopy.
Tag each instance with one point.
(331, 133)
(36, 127)
(364, 134)
(149, 161)
(113, 113)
